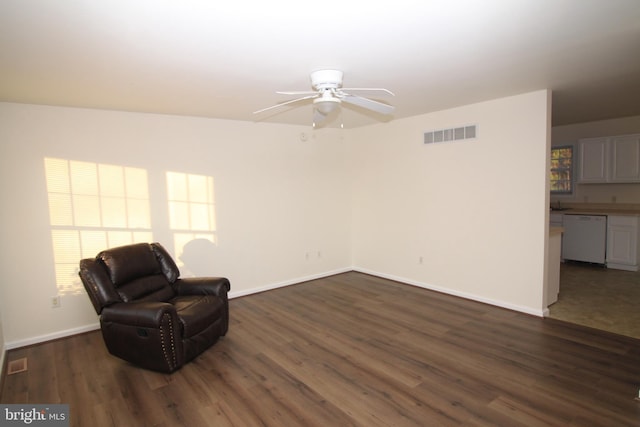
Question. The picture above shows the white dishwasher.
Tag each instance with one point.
(584, 238)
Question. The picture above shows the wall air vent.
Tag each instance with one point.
(452, 134)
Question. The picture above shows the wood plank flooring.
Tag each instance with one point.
(353, 350)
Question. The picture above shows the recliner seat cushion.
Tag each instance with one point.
(150, 288)
(197, 312)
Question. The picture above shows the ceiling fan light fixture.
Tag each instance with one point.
(326, 105)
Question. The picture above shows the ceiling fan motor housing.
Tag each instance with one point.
(326, 79)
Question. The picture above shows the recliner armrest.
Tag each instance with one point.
(144, 333)
(218, 286)
(141, 314)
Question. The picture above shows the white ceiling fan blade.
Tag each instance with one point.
(369, 104)
(297, 92)
(282, 104)
(369, 89)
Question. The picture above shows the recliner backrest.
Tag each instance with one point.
(138, 272)
(127, 263)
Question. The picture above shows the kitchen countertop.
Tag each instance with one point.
(555, 230)
(598, 209)
(596, 212)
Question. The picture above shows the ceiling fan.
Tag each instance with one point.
(328, 95)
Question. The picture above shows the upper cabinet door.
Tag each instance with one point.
(625, 153)
(593, 162)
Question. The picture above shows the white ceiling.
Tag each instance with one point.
(226, 59)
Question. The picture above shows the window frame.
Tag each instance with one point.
(571, 169)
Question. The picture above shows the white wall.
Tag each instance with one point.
(277, 199)
(474, 211)
(599, 193)
(373, 198)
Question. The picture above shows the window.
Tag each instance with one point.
(93, 206)
(562, 170)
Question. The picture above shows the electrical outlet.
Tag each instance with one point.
(55, 301)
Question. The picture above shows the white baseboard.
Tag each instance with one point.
(290, 282)
(473, 297)
(52, 336)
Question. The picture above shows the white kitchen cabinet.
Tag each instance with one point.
(625, 158)
(609, 160)
(622, 242)
(593, 160)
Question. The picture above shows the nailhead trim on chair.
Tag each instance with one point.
(164, 348)
(93, 286)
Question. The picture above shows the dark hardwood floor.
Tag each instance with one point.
(353, 350)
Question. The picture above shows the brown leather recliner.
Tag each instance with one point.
(148, 315)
